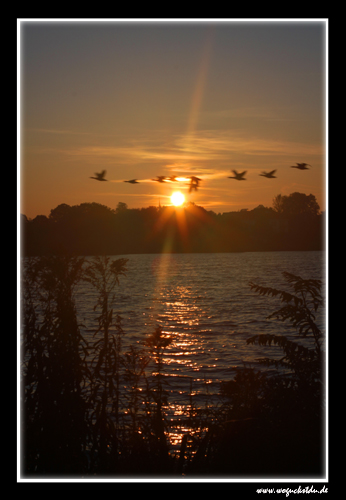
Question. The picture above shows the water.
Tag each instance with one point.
(204, 302)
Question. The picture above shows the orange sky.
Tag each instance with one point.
(145, 99)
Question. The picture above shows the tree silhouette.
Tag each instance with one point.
(121, 207)
(296, 204)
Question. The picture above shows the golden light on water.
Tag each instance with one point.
(177, 198)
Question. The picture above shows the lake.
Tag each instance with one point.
(204, 302)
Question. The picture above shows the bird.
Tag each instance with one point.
(173, 178)
(269, 175)
(133, 181)
(194, 184)
(301, 166)
(159, 178)
(100, 176)
(238, 176)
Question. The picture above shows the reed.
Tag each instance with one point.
(53, 370)
(103, 273)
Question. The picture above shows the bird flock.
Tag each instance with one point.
(194, 181)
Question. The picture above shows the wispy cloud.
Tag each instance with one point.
(253, 112)
(209, 148)
(221, 143)
(58, 131)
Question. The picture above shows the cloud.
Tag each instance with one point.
(221, 143)
(58, 132)
(210, 149)
(252, 112)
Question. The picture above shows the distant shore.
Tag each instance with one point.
(93, 229)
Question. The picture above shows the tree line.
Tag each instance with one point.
(294, 222)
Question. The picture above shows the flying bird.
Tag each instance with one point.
(301, 166)
(269, 175)
(133, 181)
(100, 176)
(173, 178)
(159, 178)
(238, 176)
(194, 183)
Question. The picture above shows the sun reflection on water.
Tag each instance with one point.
(179, 311)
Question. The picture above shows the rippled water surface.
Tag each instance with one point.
(205, 303)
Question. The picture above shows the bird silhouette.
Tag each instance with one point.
(194, 183)
(269, 175)
(238, 176)
(100, 176)
(133, 181)
(301, 166)
(159, 178)
(173, 178)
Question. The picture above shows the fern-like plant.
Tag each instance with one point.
(270, 422)
(300, 309)
(303, 365)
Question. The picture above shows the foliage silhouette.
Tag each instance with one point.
(89, 409)
(134, 362)
(103, 274)
(278, 411)
(306, 301)
(157, 343)
(296, 204)
(54, 368)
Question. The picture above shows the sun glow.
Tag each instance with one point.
(177, 198)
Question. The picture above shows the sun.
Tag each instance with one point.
(177, 198)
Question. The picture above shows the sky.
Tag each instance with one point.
(147, 98)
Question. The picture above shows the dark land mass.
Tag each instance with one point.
(95, 229)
